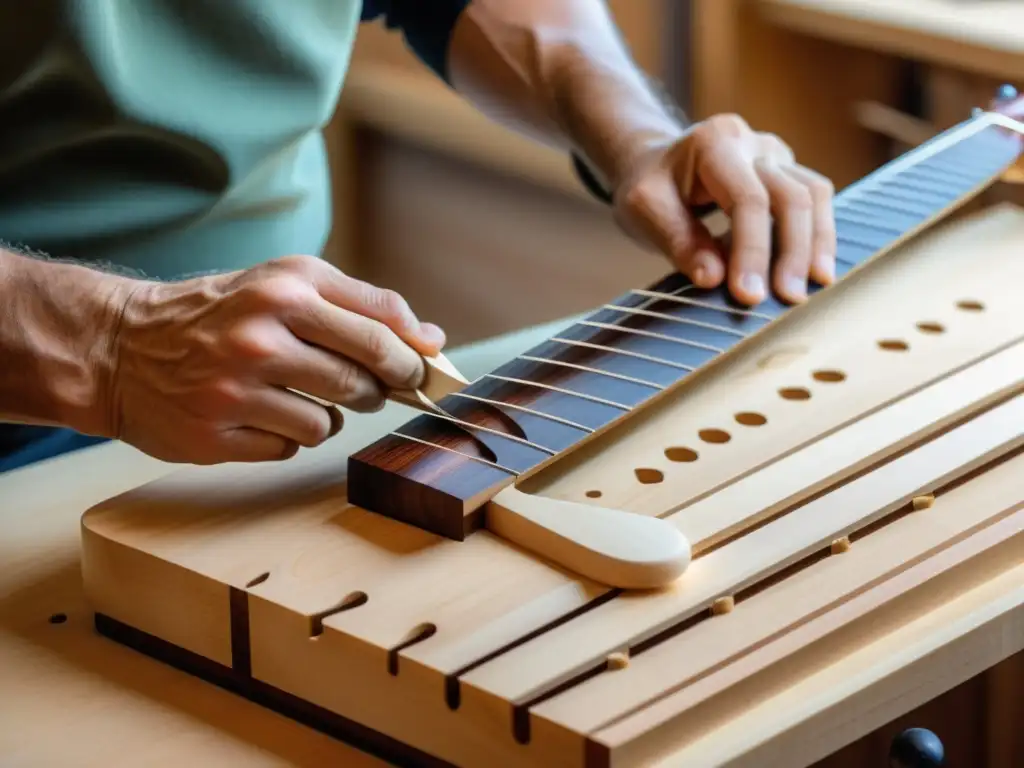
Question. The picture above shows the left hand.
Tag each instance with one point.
(754, 179)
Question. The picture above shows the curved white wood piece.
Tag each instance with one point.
(620, 549)
(442, 379)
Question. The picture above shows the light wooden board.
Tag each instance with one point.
(677, 663)
(983, 37)
(885, 331)
(554, 657)
(165, 558)
(73, 698)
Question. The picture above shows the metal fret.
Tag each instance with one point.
(629, 353)
(857, 221)
(943, 176)
(559, 390)
(917, 189)
(430, 444)
(467, 425)
(928, 209)
(841, 238)
(886, 206)
(586, 369)
(524, 409)
(651, 334)
(702, 304)
(675, 319)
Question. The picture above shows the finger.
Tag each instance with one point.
(728, 174)
(654, 212)
(792, 207)
(324, 375)
(245, 444)
(363, 340)
(380, 304)
(286, 414)
(823, 260)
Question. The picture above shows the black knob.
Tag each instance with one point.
(1006, 93)
(916, 748)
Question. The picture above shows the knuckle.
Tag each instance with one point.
(774, 141)
(385, 303)
(348, 382)
(822, 187)
(246, 342)
(314, 427)
(754, 198)
(377, 343)
(278, 294)
(392, 304)
(639, 196)
(730, 123)
(369, 402)
(358, 390)
(295, 264)
(224, 395)
(797, 198)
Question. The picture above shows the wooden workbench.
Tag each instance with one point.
(71, 698)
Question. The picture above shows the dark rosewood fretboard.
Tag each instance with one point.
(437, 473)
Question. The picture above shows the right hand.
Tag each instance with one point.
(209, 370)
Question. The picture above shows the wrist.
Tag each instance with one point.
(60, 337)
(612, 115)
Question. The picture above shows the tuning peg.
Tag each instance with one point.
(916, 748)
(1005, 93)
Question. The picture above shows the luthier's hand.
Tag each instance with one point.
(753, 177)
(204, 370)
(559, 70)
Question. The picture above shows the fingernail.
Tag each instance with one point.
(753, 284)
(828, 267)
(796, 287)
(432, 334)
(704, 264)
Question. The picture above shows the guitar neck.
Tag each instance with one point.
(438, 470)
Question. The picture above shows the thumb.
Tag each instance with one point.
(652, 212)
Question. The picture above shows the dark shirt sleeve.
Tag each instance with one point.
(426, 26)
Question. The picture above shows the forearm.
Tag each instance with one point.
(57, 322)
(558, 70)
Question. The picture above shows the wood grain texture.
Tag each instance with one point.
(477, 652)
(375, 664)
(644, 343)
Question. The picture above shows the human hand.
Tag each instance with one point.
(210, 370)
(752, 177)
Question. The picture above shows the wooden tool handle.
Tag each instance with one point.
(620, 549)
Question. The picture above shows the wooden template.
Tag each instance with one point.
(846, 480)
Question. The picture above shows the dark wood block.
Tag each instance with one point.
(431, 488)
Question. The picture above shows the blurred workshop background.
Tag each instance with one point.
(458, 214)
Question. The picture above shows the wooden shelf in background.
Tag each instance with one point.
(982, 37)
(412, 106)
